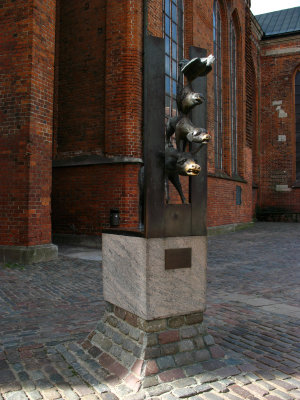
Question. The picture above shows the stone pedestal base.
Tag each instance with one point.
(137, 278)
(144, 353)
(152, 331)
(28, 254)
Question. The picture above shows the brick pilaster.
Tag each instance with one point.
(26, 101)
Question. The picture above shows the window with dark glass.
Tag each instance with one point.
(217, 87)
(233, 94)
(297, 115)
(173, 32)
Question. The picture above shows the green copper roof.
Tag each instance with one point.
(280, 22)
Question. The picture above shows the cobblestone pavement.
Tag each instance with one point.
(252, 312)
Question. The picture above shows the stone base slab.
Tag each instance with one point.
(144, 353)
(91, 241)
(135, 275)
(28, 254)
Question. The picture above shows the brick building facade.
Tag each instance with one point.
(71, 114)
(276, 51)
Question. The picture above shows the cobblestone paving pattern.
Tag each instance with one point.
(252, 312)
(49, 302)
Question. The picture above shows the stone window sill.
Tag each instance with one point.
(223, 175)
(296, 185)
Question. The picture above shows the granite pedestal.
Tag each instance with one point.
(135, 277)
(152, 330)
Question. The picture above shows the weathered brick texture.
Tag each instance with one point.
(98, 111)
(222, 207)
(26, 110)
(83, 197)
(80, 77)
(279, 62)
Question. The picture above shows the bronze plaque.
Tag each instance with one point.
(178, 258)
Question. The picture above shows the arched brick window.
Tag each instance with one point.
(233, 96)
(297, 115)
(218, 123)
(173, 33)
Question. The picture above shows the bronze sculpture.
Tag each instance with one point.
(185, 131)
(186, 99)
(177, 161)
(197, 67)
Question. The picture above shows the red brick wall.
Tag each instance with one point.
(279, 61)
(92, 191)
(99, 93)
(26, 101)
(155, 18)
(80, 74)
(222, 208)
(123, 107)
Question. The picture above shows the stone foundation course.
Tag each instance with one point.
(145, 353)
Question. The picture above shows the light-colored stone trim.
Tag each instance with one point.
(28, 254)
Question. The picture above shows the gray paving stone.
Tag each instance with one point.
(241, 380)
(193, 370)
(170, 348)
(295, 382)
(109, 396)
(116, 351)
(34, 395)
(211, 396)
(122, 390)
(208, 340)
(168, 396)
(17, 367)
(128, 345)
(186, 345)
(252, 377)
(56, 378)
(134, 333)
(123, 326)
(219, 387)
(69, 394)
(183, 393)
(127, 359)
(280, 375)
(231, 396)
(135, 396)
(202, 388)
(43, 384)
(150, 381)
(28, 386)
(118, 338)
(188, 332)
(19, 395)
(199, 342)
(23, 376)
(184, 358)
(201, 355)
(295, 393)
(281, 395)
(206, 377)
(100, 388)
(185, 382)
(159, 390)
(165, 362)
(226, 382)
(6, 376)
(265, 385)
(266, 375)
